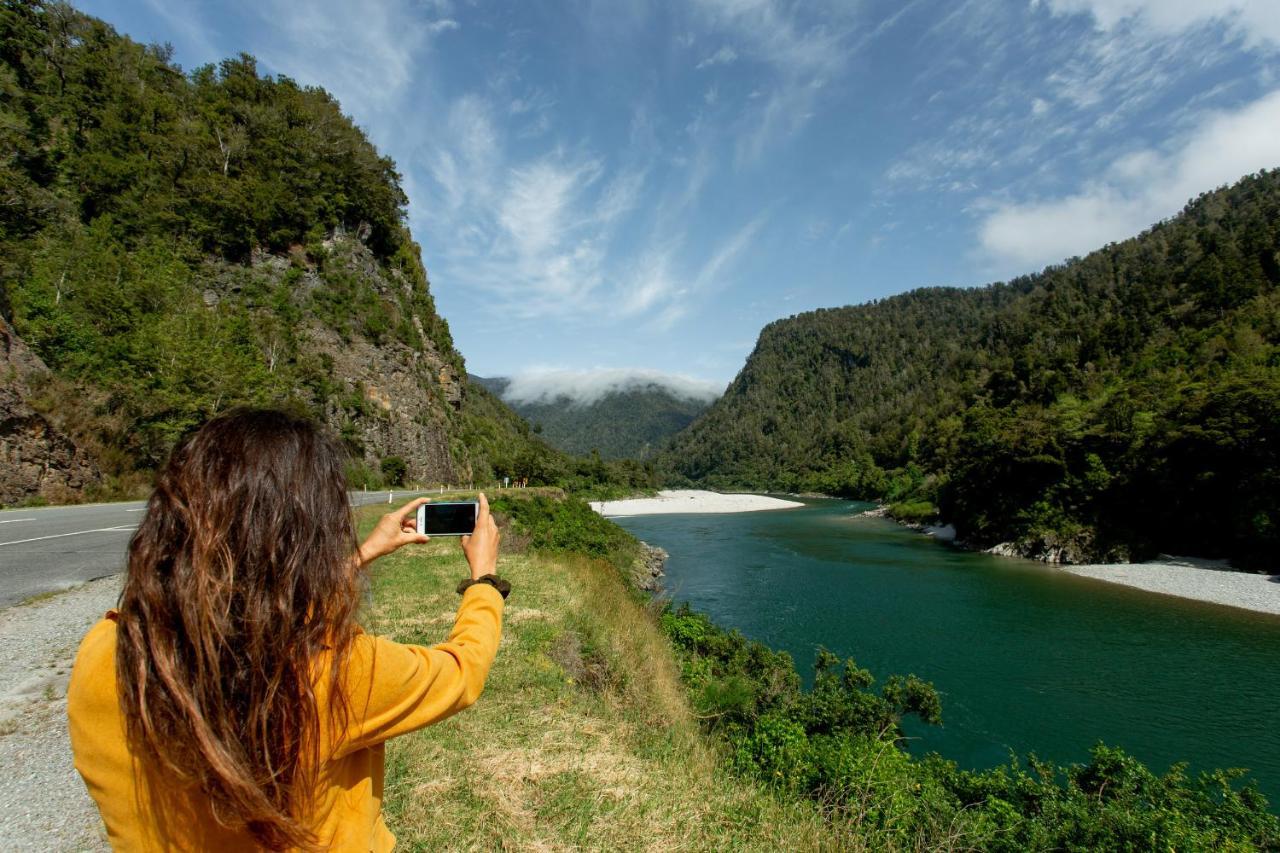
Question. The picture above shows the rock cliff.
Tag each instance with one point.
(384, 394)
(36, 460)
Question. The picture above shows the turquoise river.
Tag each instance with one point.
(1027, 658)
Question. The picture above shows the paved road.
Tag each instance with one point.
(53, 548)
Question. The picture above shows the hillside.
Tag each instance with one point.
(173, 244)
(1110, 407)
(628, 423)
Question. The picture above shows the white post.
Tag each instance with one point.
(389, 496)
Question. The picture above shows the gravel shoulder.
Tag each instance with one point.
(1201, 580)
(43, 803)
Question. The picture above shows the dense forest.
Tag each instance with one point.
(1111, 407)
(627, 423)
(173, 244)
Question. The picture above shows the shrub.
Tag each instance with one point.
(393, 470)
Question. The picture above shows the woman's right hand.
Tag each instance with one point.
(481, 547)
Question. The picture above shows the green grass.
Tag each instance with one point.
(583, 737)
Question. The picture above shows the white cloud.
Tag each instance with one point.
(584, 387)
(364, 53)
(442, 25)
(652, 284)
(711, 275)
(537, 199)
(465, 170)
(532, 233)
(800, 55)
(724, 56)
(1137, 190)
(1256, 21)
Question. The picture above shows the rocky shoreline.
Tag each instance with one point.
(648, 571)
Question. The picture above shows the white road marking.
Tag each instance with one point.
(12, 520)
(118, 529)
(139, 509)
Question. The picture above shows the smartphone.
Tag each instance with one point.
(450, 518)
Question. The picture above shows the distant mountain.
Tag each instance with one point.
(632, 422)
(1116, 405)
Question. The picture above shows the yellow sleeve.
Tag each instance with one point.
(394, 688)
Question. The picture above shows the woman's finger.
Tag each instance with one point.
(408, 509)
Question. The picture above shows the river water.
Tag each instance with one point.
(1026, 658)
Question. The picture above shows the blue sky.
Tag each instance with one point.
(618, 185)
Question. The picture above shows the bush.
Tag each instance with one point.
(568, 525)
(393, 470)
(914, 512)
(841, 745)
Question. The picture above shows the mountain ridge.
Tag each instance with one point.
(1105, 408)
(629, 422)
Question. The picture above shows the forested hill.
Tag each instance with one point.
(630, 422)
(173, 244)
(1111, 407)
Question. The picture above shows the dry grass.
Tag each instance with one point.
(557, 755)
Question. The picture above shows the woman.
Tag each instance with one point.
(232, 702)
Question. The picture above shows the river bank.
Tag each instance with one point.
(696, 501)
(1210, 581)
(1186, 577)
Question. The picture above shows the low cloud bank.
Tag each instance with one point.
(584, 387)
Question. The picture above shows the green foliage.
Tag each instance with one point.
(223, 157)
(361, 476)
(567, 525)
(913, 512)
(393, 470)
(1116, 405)
(146, 218)
(841, 744)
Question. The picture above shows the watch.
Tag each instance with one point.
(494, 581)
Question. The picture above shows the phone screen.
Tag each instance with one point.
(447, 519)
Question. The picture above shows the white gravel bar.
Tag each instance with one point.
(673, 501)
(1185, 577)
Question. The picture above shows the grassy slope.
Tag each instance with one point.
(583, 737)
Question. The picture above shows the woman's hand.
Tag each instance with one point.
(394, 530)
(481, 547)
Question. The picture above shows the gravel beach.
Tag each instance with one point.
(1201, 580)
(43, 803)
(690, 501)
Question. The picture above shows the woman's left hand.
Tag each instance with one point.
(394, 530)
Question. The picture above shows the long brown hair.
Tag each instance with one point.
(240, 575)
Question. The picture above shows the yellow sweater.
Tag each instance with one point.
(393, 689)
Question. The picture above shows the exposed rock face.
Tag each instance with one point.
(396, 398)
(36, 460)
(648, 571)
(1059, 550)
(402, 413)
